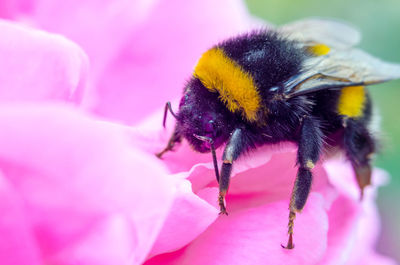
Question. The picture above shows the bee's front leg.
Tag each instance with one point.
(232, 151)
(310, 144)
(175, 138)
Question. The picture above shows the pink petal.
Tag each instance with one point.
(76, 177)
(353, 225)
(344, 217)
(154, 63)
(113, 234)
(122, 39)
(189, 217)
(12, 9)
(17, 243)
(253, 236)
(36, 65)
(373, 259)
(101, 28)
(347, 180)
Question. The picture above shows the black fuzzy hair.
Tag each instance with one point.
(269, 57)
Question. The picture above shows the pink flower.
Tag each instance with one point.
(79, 186)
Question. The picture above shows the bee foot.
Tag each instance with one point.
(221, 202)
(160, 154)
(290, 244)
(223, 212)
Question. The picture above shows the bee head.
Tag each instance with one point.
(202, 114)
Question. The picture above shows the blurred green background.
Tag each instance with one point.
(379, 22)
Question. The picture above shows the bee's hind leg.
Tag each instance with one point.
(310, 144)
(359, 146)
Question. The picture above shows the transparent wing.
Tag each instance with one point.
(335, 34)
(339, 69)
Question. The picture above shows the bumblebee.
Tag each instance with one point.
(303, 82)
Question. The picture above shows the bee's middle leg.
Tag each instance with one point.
(310, 144)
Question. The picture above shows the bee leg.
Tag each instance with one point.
(232, 151)
(359, 146)
(175, 138)
(310, 144)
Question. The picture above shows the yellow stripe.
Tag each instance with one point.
(236, 88)
(319, 49)
(351, 101)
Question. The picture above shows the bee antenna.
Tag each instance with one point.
(214, 155)
(168, 107)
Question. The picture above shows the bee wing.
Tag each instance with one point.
(339, 69)
(335, 34)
